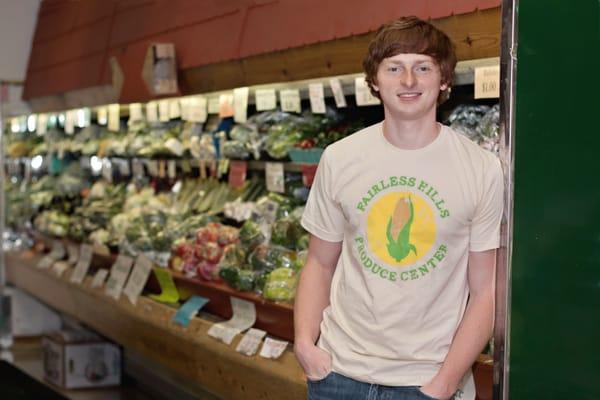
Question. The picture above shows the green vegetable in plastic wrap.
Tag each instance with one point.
(303, 242)
(280, 285)
(251, 234)
(268, 258)
(286, 232)
(237, 278)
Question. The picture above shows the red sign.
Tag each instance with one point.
(237, 173)
(308, 174)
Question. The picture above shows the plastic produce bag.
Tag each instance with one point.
(268, 258)
(280, 285)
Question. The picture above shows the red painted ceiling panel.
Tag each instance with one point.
(55, 21)
(87, 40)
(66, 77)
(95, 10)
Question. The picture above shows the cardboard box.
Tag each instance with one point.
(80, 359)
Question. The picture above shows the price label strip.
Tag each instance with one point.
(265, 99)
(338, 93)
(169, 293)
(58, 253)
(138, 278)
(273, 348)
(118, 275)
(83, 264)
(244, 317)
(290, 100)
(189, 310)
(317, 98)
(99, 278)
(240, 104)
(251, 342)
(275, 177)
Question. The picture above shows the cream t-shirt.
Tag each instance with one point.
(407, 220)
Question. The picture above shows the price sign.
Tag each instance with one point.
(273, 348)
(102, 115)
(114, 118)
(124, 169)
(363, 94)
(70, 122)
(73, 252)
(42, 124)
(139, 277)
(172, 169)
(317, 98)
(197, 111)
(169, 293)
(487, 82)
(57, 253)
(135, 112)
(189, 310)
(213, 105)
(237, 173)
(275, 177)
(83, 264)
(265, 99)
(174, 109)
(164, 107)
(240, 104)
(290, 100)
(244, 316)
(152, 111)
(251, 342)
(99, 278)
(118, 275)
(338, 93)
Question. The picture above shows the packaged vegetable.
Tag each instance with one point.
(280, 285)
(268, 258)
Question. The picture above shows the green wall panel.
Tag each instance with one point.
(555, 317)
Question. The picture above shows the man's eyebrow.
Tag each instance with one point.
(395, 62)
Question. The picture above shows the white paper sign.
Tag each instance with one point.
(487, 82)
(363, 93)
(99, 278)
(265, 99)
(138, 168)
(70, 122)
(290, 100)
(164, 107)
(244, 316)
(73, 252)
(124, 169)
(240, 104)
(174, 109)
(135, 112)
(172, 169)
(107, 169)
(60, 267)
(317, 98)
(83, 264)
(42, 124)
(275, 177)
(114, 118)
(213, 105)
(152, 167)
(118, 275)
(197, 109)
(338, 92)
(57, 253)
(152, 111)
(102, 115)
(251, 342)
(273, 348)
(138, 278)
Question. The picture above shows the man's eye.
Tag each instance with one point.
(423, 68)
(393, 69)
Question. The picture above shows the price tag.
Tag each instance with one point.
(172, 169)
(226, 105)
(174, 109)
(102, 115)
(317, 98)
(197, 109)
(251, 342)
(73, 252)
(114, 118)
(57, 253)
(138, 168)
(237, 173)
(189, 310)
(363, 93)
(70, 122)
(308, 174)
(213, 105)
(240, 104)
(124, 167)
(118, 275)
(265, 99)
(273, 348)
(338, 93)
(42, 124)
(164, 107)
(83, 264)
(186, 166)
(169, 293)
(290, 100)
(99, 278)
(487, 82)
(152, 111)
(135, 112)
(138, 278)
(107, 170)
(60, 267)
(162, 169)
(275, 177)
(244, 316)
(152, 167)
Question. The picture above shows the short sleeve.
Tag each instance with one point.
(485, 226)
(323, 216)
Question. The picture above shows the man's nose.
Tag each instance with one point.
(408, 78)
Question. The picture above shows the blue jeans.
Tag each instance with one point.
(338, 387)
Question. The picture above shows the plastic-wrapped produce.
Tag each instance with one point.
(280, 285)
(489, 129)
(251, 234)
(235, 149)
(465, 119)
(268, 258)
(286, 232)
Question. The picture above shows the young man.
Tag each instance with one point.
(404, 219)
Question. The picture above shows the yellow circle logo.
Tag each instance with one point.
(401, 228)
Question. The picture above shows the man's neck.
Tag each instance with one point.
(410, 135)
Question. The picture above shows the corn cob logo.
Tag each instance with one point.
(398, 230)
(401, 228)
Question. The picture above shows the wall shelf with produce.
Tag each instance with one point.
(209, 186)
